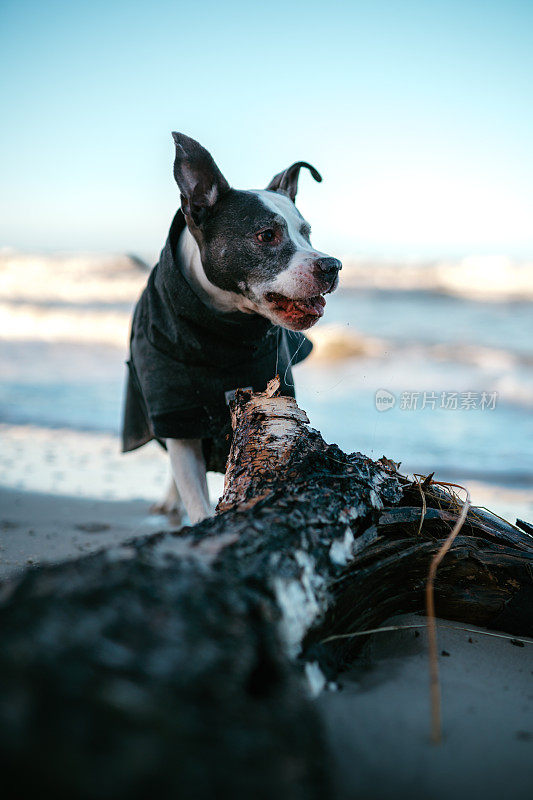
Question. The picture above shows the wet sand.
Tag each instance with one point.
(42, 529)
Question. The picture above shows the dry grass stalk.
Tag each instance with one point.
(436, 716)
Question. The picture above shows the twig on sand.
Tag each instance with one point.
(436, 721)
(435, 693)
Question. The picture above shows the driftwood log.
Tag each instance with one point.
(183, 664)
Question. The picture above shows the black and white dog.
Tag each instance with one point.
(237, 281)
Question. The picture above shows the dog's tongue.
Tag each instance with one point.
(310, 306)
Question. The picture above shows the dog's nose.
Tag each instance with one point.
(328, 265)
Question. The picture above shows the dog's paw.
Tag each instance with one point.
(174, 511)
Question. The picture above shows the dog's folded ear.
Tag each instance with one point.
(200, 181)
(287, 182)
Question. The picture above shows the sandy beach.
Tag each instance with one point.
(66, 493)
(378, 725)
(377, 722)
(43, 528)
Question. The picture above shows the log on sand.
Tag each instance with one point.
(182, 664)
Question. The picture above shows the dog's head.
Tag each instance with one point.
(255, 244)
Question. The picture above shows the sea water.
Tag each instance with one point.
(437, 382)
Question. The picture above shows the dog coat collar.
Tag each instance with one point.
(185, 358)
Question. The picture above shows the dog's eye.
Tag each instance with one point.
(266, 236)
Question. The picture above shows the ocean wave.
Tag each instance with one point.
(31, 322)
(510, 374)
(107, 278)
(335, 342)
(515, 390)
(76, 279)
(88, 299)
(482, 278)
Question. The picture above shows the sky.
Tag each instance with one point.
(419, 116)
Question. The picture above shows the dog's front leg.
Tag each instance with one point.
(188, 468)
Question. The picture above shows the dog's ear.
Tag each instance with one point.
(287, 182)
(200, 181)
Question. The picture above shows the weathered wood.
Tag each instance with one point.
(266, 430)
(176, 664)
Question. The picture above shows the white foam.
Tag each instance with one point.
(82, 464)
(483, 278)
(72, 278)
(31, 322)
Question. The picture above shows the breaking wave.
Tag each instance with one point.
(482, 278)
(69, 298)
(88, 299)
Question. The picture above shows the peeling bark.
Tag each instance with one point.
(266, 430)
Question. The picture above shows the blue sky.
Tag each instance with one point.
(418, 114)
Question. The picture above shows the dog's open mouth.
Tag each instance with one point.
(297, 307)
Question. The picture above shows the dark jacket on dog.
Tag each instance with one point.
(186, 356)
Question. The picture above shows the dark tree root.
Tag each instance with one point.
(175, 666)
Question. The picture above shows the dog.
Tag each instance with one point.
(236, 283)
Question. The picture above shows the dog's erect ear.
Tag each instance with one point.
(287, 182)
(200, 181)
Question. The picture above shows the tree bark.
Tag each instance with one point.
(182, 662)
